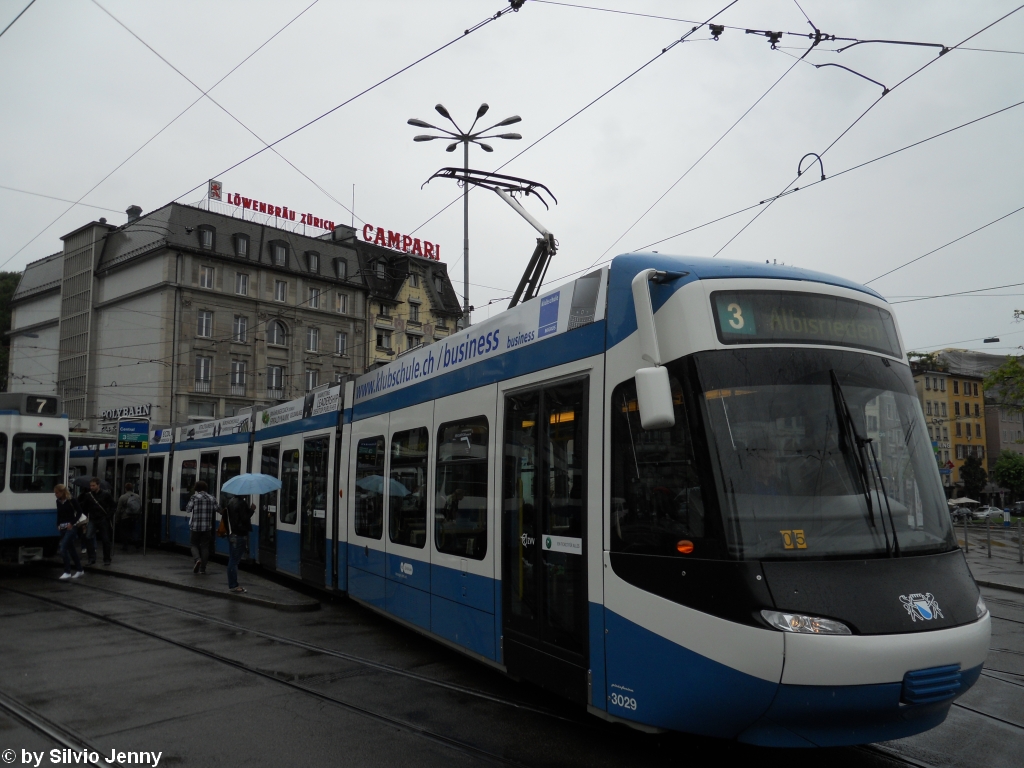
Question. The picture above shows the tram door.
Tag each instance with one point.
(154, 499)
(544, 590)
(269, 465)
(313, 525)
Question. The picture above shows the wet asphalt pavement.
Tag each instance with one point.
(114, 664)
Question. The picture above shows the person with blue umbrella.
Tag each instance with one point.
(238, 517)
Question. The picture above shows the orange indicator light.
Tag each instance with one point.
(685, 546)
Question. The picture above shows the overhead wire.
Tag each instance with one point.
(956, 293)
(951, 242)
(155, 135)
(17, 17)
(861, 117)
(59, 199)
(363, 92)
(225, 110)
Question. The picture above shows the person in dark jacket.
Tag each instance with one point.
(100, 506)
(68, 513)
(239, 523)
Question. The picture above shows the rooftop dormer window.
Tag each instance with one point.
(207, 237)
(313, 261)
(280, 254)
(380, 269)
(242, 246)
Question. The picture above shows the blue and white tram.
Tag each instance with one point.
(33, 459)
(691, 494)
(211, 451)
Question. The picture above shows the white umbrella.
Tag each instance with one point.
(962, 500)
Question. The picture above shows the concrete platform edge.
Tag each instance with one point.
(998, 585)
(312, 605)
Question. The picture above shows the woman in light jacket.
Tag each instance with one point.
(68, 513)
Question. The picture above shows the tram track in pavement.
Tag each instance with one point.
(342, 655)
(58, 734)
(412, 729)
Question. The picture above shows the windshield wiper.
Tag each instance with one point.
(851, 439)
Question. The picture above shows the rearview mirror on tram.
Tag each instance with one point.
(654, 398)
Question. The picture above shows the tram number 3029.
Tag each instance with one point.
(626, 702)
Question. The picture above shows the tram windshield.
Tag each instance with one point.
(790, 484)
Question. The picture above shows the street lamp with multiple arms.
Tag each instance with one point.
(465, 138)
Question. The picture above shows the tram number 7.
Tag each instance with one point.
(793, 539)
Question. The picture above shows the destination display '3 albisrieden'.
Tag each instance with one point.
(778, 317)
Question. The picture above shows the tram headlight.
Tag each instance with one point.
(810, 625)
(981, 609)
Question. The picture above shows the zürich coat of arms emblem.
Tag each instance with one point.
(921, 607)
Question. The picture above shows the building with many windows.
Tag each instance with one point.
(186, 313)
(953, 400)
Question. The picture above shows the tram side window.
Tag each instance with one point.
(37, 463)
(407, 488)
(369, 512)
(460, 488)
(187, 483)
(3, 461)
(290, 486)
(230, 466)
(133, 475)
(208, 471)
(656, 496)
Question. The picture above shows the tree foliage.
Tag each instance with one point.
(1006, 383)
(1009, 471)
(974, 476)
(8, 284)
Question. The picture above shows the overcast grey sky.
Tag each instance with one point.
(80, 94)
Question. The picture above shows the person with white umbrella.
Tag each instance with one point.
(239, 517)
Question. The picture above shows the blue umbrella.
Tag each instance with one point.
(243, 485)
(375, 484)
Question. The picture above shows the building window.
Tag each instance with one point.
(312, 378)
(981, 451)
(380, 269)
(958, 430)
(201, 410)
(341, 269)
(241, 284)
(276, 333)
(385, 310)
(927, 382)
(943, 410)
(956, 387)
(280, 254)
(945, 434)
(313, 261)
(414, 280)
(942, 385)
(238, 378)
(240, 328)
(959, 448)
(412, 341)
(280, 290)
(977, 430)
(956, 407)
(977, 410)
(204, 327)
(206, 240)
(338, 377)
(414, 312)
(340, 343)
(928, 407)
(341, 303)
(975, 389)
(204, 371)
(242, 246)
(206, 277)
(275, 381)
(384, 339)
(314, 298)
(930, 437)
(312, 339)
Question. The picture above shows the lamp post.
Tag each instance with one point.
(465, 138)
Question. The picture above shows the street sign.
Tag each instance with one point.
(133, 435)
(945, 471)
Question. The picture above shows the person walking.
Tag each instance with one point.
(129, 513)
(239, 523)
(202, 512)
(68, 512)
(100, 506)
